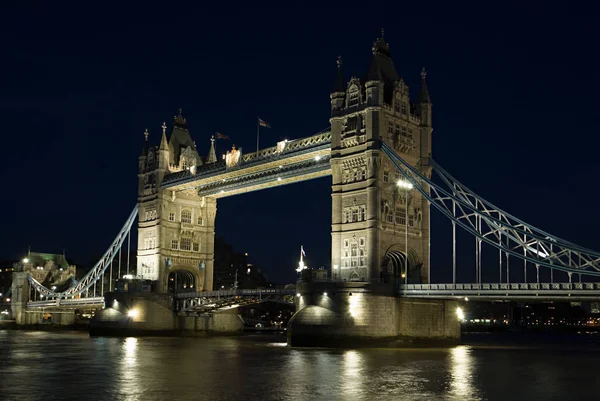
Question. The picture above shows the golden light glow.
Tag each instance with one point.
(133, 313)
(460, 314)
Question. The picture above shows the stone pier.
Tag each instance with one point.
(348, 314)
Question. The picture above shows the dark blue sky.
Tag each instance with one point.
(514, 91)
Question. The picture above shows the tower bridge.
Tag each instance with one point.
(378, 152)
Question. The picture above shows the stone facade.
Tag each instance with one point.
(372, 215)
(176, 228)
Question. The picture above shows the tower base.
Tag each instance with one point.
(358, 314)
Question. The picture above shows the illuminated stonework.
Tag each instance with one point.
(372, 214)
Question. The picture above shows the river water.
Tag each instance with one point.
(72, 366)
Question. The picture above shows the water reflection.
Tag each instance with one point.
(129, 380)
(462, 385)
(352, 376)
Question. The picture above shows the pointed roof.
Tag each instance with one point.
(339, 84)
(424, 95)
(180, 139)
(381, 67)
(212, 154)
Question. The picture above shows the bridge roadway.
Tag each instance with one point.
(475, 292)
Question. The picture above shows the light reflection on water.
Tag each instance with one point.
(47, 366)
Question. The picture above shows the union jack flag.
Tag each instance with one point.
(263, 123)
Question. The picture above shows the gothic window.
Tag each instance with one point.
(346, 243)
(410, 134)
(345, 217)
(196, 247)
(397, 129)
(400, 217)
(404, 108)
(352, 124)
(361, 241)
(354, 255)
(152, 242)
(185, 244)
(150, 161)
(411, 220)
(355, 214)
(389, 218)
(397, 104)
(353, 96)
(171, 216)
(200, 220)
(174, 244)
(356, 175)
(363, 213)
(363, 173)
(386, 176)
(403, 132)
(186, 216)
(390, 130)
(361, 257)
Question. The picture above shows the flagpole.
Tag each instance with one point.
(257, 134)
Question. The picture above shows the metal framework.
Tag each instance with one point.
(96, 273)
(491, 225)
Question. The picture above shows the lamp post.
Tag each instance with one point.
(406, 185)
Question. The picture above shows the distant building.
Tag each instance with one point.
(6, 270)
(228, 263)
(51, 270)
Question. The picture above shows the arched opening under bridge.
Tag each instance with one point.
(182, 281)
(397, 265)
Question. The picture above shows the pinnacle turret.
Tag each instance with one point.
(163, 141)
(424, 96)
(339, 85)
(212, 154)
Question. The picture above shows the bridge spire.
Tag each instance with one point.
(339, 84)
(163, 140)
(424, 96)
(212, 154)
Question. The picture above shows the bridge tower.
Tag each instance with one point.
(378, 222)
(175, 228)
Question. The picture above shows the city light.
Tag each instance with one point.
(317, 157)
(278, 178)
(25, 260)
(466, 299)
(128, 277)
(404, 184)
(298, 295)
(460, 314)
(325, 294)
(7, 299)
(133, 313)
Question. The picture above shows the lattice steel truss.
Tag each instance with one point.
(96, 273)
(492, 225)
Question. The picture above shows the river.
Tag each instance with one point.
(37, 365)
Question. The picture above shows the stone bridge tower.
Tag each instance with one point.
(378, 223)
(175, 229)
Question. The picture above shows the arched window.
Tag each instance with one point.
(186, 216)
(174, 244)
(200, 221)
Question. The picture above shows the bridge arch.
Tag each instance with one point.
(397, 264)
(183, 279)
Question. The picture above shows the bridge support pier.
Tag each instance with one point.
(358, 314)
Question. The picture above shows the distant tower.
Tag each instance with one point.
(175, 230)
(373, 213)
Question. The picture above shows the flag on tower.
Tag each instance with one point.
(221, 136)
(263, 123)
(302, 250)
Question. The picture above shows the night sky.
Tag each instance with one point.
(514, 92)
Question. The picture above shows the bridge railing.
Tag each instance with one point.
(502, 286)
(231, 293)
(66, 302)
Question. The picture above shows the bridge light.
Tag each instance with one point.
(466, 299)
(325, 294)
(133, 313)
(403, 275)
(460, 314)
(7, 299)
(404, 184)
(221, 192)
(317, 157)
(298, 295)
(278, 178)
(53, 287)
(25, 260)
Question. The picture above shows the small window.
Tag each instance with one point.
(200, 222)
(404, 108)
(346, 243)
(174, 244)
(196, 247)
(355, 216)
(186, 216)
(386, 176)
(361, 241)
(171, 216)
(363, 213)
(389, 218)
(185, 244)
